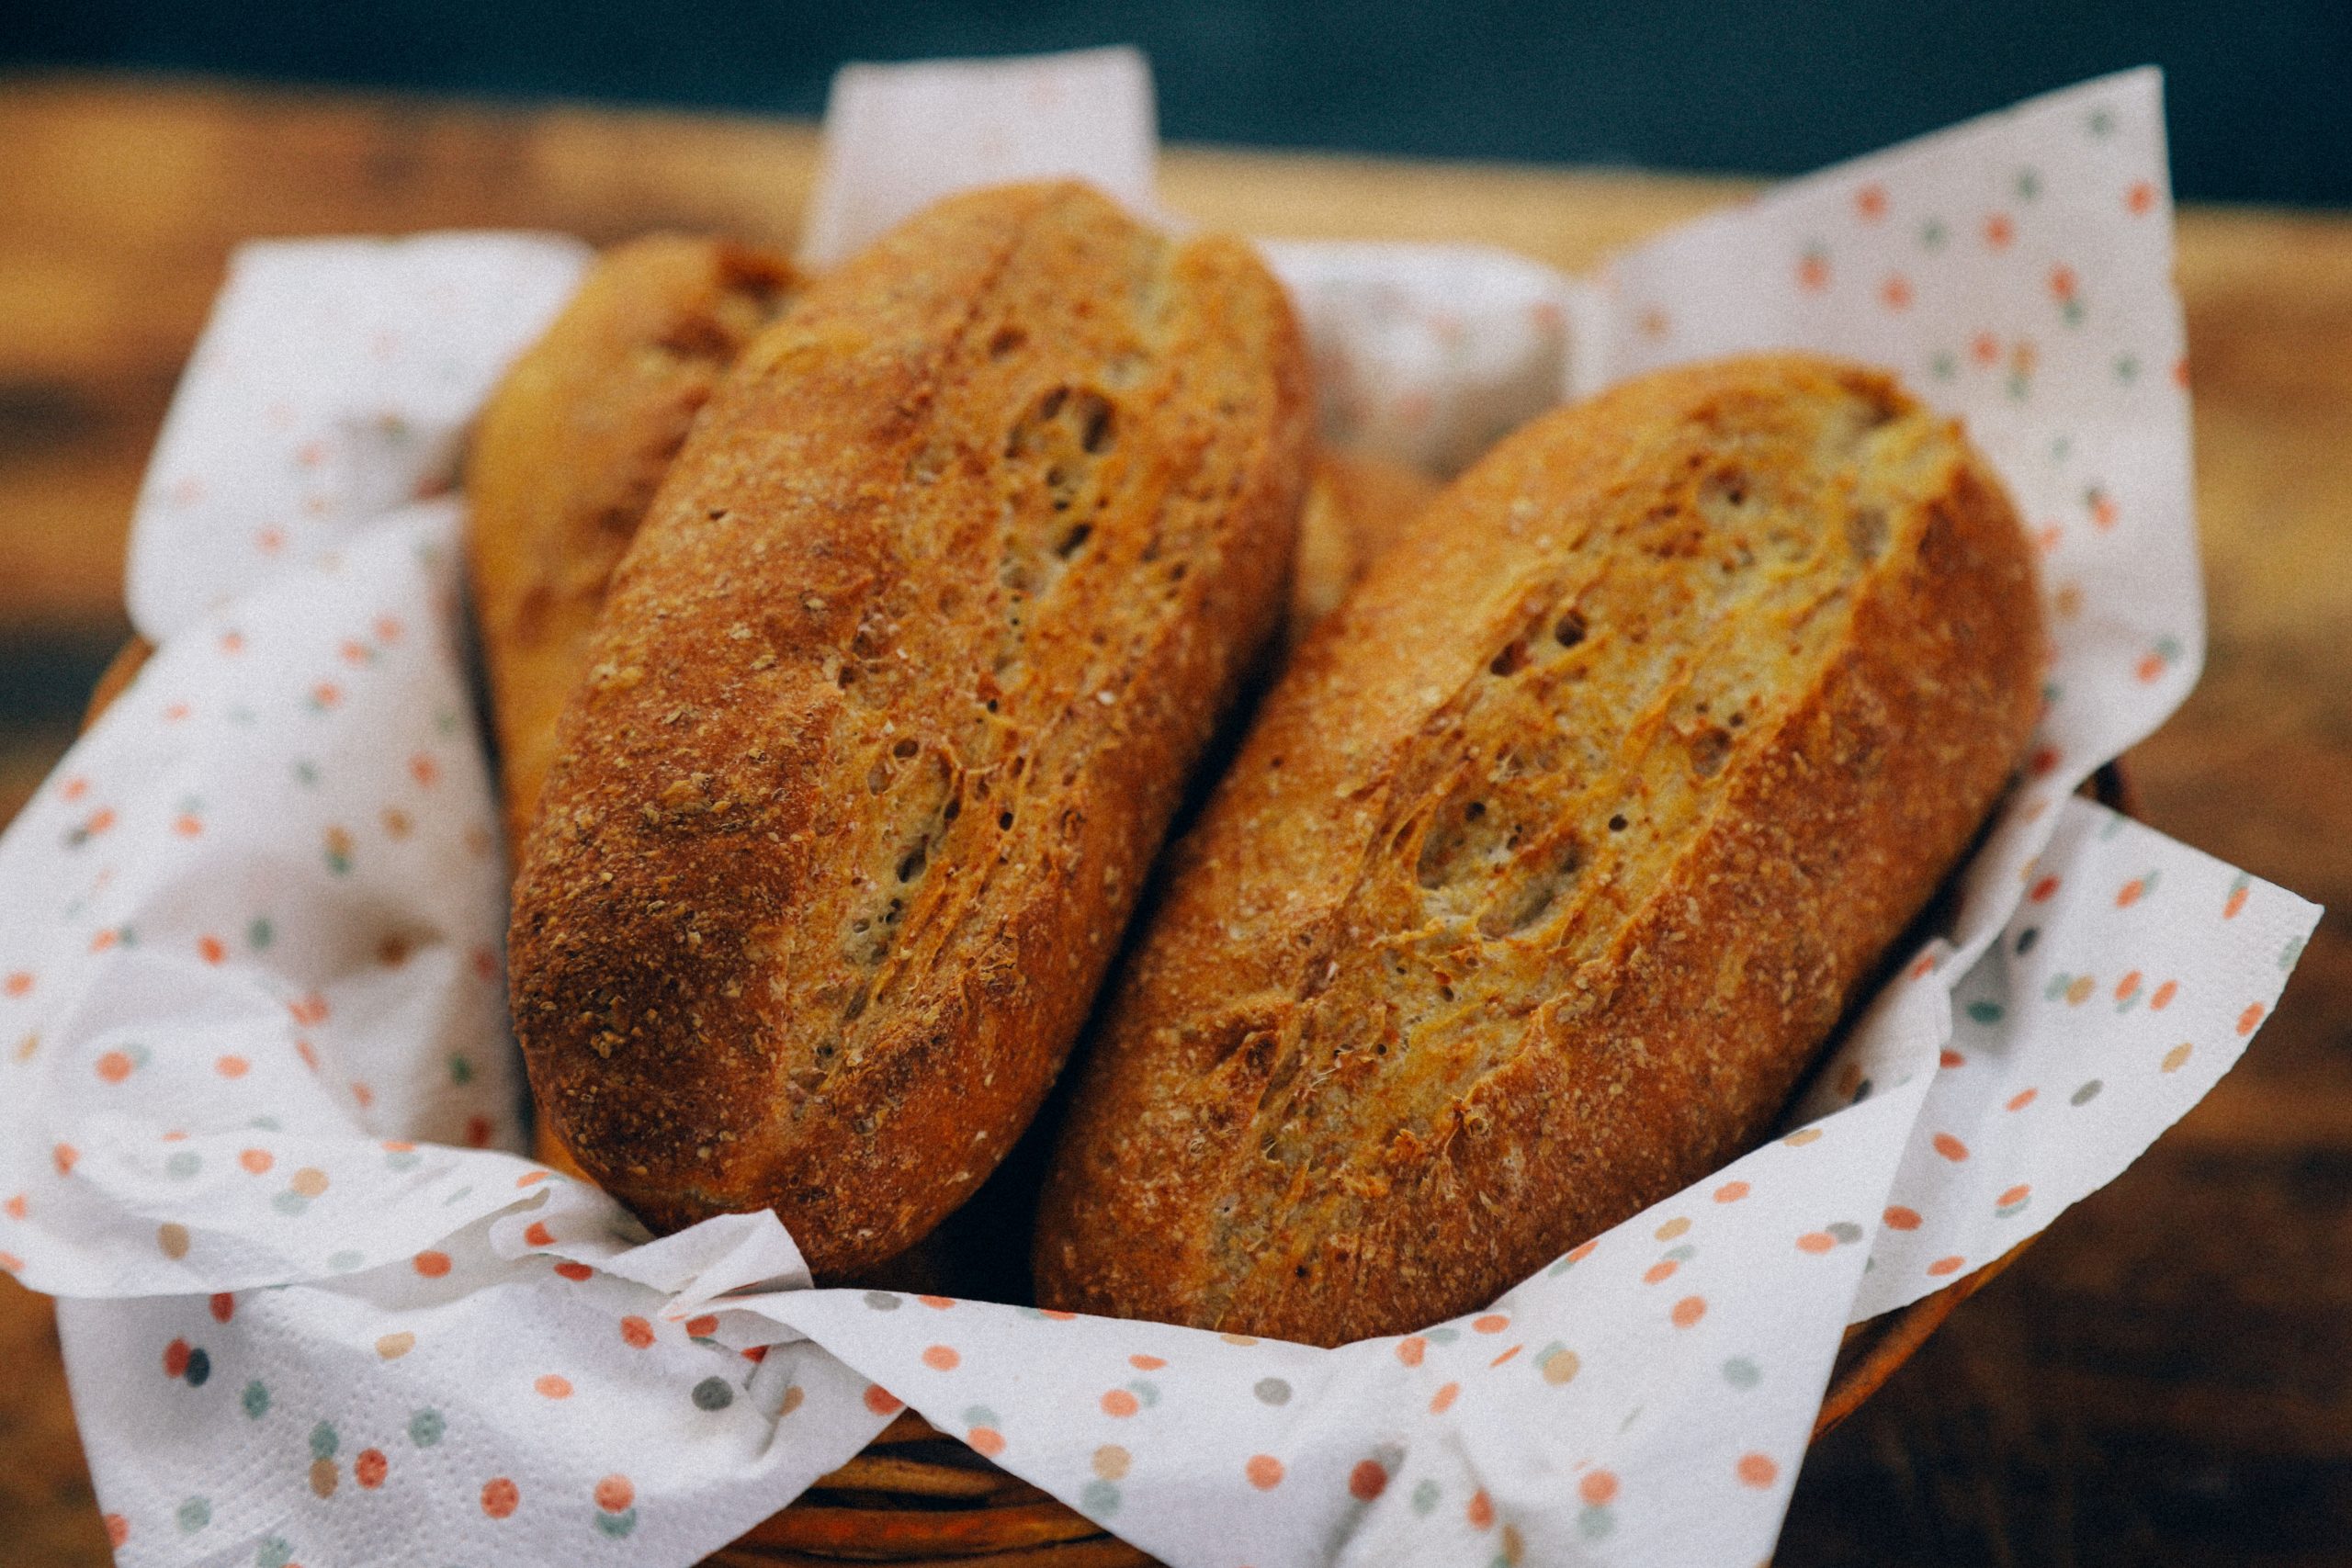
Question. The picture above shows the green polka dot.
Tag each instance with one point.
(1932, 235)
(307, 774)
(979, 1415)
(1741, 1373)
(2290, 952)
(2027, 184)
(1271, 1391)
(256, 1399)
(344, 1262)
(2101, 123)
(446, 721)
(2072, 311)
(1682, 1254)
(424, 1428)
(713, 1393)
(323, 1440)
(462, 1069)
(183, 1165)
(1944, 367)
(1986, 1012)
(261, 933)
(289, 1203)
(195, 1514)
(264, 1123)
(1099, 1499)
(1146, 1391)
(1426, 1495)
(1595, 1523)
(404, 1159)
(274, 1552)
(617, 1525)
(2127, 368)
(1443, 1336)
(882, 1300)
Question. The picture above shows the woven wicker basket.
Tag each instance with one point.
(919, 1498)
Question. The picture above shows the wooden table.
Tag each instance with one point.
(2167, 1377)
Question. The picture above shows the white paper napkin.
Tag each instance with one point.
(258, 1096)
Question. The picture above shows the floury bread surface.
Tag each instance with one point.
(889, 709)
(1552, 857)
(568, 456)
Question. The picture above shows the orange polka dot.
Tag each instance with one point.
(11, 1264)
(363, 1094)
(1662, 1269)
(2164, 995)
(257, 1161)
(114, 1066)
(637, 1332)
(538, 1235)
(1444, 1399)
(1507, 1355)
(1411, 1348)
(1146, 1363)
(614, 1493)
(1803, 1136)
(14, 1207)
(478, 1131)
(2238, 901)
(370, 1468)
(392, 1347)
(2248, 1019)
(1111, 1462)
(1493, 1322)
(1598, 1488)
(986, 1441)
(500, 1497)
(1946, 1266)
(118, 1530)
(209, 948)
(224, 1306)
(1732, 1192)
(18, 984)
(1690, 1310)
(1816, 1242)
(1757, 1471)
(1119, 1401)
(702, 1327)
(575, 1272)
(1951, 1059)
(1899, 1218)
(62, 1157)
(1264, 1471)
(530, 1179)
(2175, 1059)
(1057, 1315)
(2017, 1194)
(302, 1048)
(553, 1385)
(942, 1358)
(1673, 1228)
(1368, 1480)
(2044, 889)
(1951, 1148)
(432, 1265)
(937, 1304)
(1481, 1511)
(2022, 1098)
(1583, 1250)
(232, 1066)
(310, 1181)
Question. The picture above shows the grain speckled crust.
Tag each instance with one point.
(890, 705)
(568, 454)
(1554, 856)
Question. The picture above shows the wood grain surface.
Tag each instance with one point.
(2166, 1377)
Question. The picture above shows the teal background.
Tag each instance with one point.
(2260, 96)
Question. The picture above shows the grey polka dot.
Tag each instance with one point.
(2086, 1094)
(344, 1262)
(1271, 1391)
(183, 1165)
(1741, 1373)
(1425, 1497)
(881, 1301)
(713, 1393)
(1099, 1499)
(1846, 1231)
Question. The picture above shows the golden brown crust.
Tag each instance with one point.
(892, 703)
(1357, 506)
(568, 454)
(1554, 856)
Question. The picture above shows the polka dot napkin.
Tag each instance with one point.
(259, 1109)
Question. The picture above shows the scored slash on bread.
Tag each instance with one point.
(890, 705)
(1552, 857)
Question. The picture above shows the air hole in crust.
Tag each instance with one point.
(1569, 629)
(1511, 660)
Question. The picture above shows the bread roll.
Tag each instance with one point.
(1356, 507)
(890, 704)
(1552, 857)
(568, 454)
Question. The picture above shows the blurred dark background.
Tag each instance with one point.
(2259, 104)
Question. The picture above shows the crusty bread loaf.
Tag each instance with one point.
(1357, 505)
(566, 456)
(1554, 856)
(890, 704)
